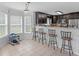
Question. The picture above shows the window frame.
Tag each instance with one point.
(5, 24)
(25, 25)
(16, 24)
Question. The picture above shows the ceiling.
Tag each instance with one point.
(47, 7)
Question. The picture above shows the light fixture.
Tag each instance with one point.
(26, 7)
(59, 12)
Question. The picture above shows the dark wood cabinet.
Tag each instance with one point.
(55, 19)
(41, 18)
(73, 15)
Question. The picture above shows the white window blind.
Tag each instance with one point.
(15, 24)
(27, 24)
(3, 24)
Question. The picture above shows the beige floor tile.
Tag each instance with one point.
(30, 47)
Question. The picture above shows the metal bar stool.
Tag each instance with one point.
(52, 37)
(35, 34)
(66, 42)
(42, 35)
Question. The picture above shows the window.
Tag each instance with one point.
(27, 24)
(3, 24)
(16, 24)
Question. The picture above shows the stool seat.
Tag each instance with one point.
(42, 32)
(36, 31)
(52, 35)
(67, 38)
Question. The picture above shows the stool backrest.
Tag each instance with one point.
(65, 34)
(51, 31)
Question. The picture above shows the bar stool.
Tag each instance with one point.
(52, 38)
(35, 34)
(42, 35)
(66, 41)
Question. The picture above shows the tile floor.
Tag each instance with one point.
(30, 47)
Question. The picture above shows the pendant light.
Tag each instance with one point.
(26, 10)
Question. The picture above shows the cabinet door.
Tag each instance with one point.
(42, 18)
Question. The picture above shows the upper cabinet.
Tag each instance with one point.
(65, 19)
(41, 18)
(73, 15)
(55, 19)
